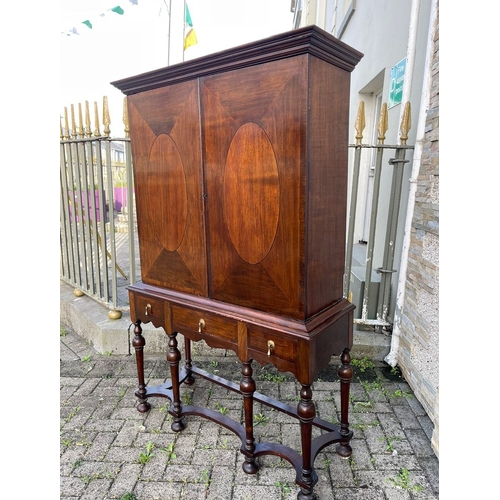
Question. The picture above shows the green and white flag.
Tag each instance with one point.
(190, 37)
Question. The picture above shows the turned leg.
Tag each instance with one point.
(247, 388)
(306, 412)
(187, 350)
(173, 358)
(345, 373)
(139, 342)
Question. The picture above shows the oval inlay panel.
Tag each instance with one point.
(251, 193)
(167, 195)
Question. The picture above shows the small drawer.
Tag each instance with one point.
(206, 324)
(272, 345)
(149, 309)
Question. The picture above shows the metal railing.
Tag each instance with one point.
(99, 246)
(382, 298)
(97, 208)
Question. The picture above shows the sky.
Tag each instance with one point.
(119, 46)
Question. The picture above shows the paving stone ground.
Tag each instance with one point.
(108, 450)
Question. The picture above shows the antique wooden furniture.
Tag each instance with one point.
(240, 168)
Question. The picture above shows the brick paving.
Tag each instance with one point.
(108, 450)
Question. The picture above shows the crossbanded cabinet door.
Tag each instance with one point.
(254, 144)
(166, 150)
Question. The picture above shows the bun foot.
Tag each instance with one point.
(303, 495)
(143, 407)
(250, 467)
(178, 426)
(344, 450)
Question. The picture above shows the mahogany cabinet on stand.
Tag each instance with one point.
(240, 170)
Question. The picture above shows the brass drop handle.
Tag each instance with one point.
(270, 347)
(148, 308)
(201, 324)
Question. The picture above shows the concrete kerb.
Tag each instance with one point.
(89, 319)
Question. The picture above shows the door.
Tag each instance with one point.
(254, 139)
(166, 147)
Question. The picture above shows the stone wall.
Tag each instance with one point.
(419, 342)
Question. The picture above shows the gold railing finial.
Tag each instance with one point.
(383, 124)
(97, 131)
(66, 126)
(73, 122)
(105, 116)
(359, 125)
(80, 120)
(125, 117)
(405, 123)
(88, 130)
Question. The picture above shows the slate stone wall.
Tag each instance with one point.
(419, 341)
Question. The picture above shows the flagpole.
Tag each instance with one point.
(183, 30)
(169, 28)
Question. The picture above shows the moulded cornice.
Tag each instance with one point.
(308, 40)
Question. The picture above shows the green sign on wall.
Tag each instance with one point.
(397, 80)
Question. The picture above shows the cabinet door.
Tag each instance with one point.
(254, 146)
(166, 148)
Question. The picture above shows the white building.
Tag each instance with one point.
(398, 39)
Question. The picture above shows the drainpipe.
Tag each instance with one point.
(392, 357)
(320, 13)
(410, 57)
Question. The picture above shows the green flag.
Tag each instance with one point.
(87, 23)
(118, 10)
(190, 38)
(188, 17)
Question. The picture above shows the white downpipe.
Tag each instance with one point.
(392, 357)
(321, 13)
(410, 57)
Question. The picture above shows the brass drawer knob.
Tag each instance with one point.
(201, 324)
(148, 308)
(270, 347)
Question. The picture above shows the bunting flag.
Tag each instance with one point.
(190, 38)
(117, 10)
